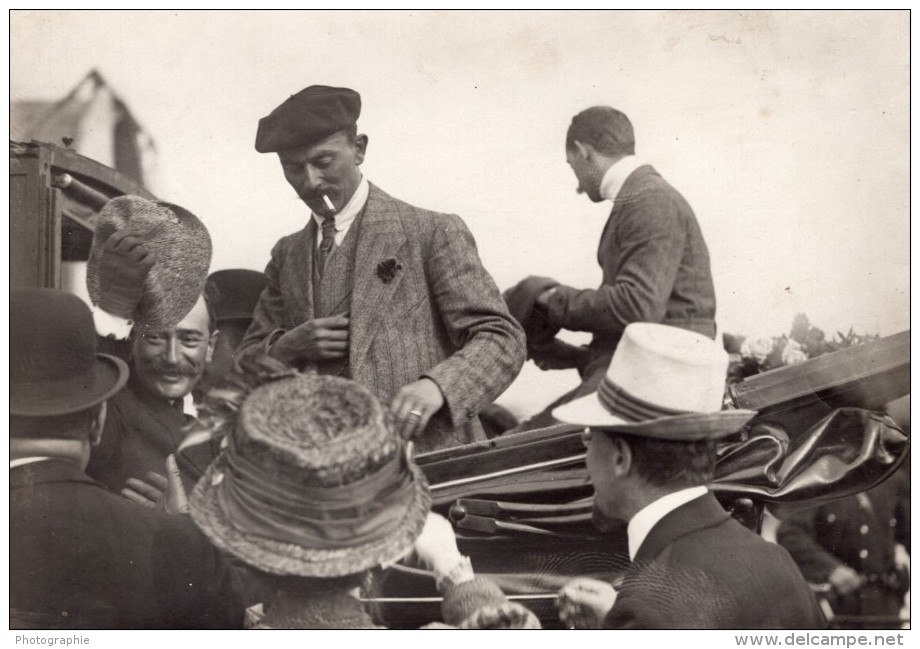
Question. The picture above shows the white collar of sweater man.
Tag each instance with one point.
(646, 518)
(346, 216)
(616, 176)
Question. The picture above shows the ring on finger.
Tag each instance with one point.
(416, 413)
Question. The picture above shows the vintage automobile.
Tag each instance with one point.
(521, 503)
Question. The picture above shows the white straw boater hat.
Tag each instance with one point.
(662, 382)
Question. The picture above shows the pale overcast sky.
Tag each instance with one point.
(788, 132)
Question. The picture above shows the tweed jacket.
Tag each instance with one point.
(84, 558)
(140, 430)
(655, 267)
(421, 305)
(700, 569)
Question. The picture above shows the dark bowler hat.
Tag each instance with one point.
(54, 367)
(309, 116)
(238, 291)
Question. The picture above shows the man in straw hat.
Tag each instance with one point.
(653, 257)
(652, 428)
(146, 275)
(377, 290)
(82, 557)
(314, 489)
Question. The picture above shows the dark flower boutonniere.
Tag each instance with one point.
(386, 270)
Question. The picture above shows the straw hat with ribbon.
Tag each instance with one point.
(663, 382)
(178, 241)
(314, 482)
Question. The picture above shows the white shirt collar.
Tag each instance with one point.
(188, 405)
(616, 176)
(647, 517)
(345, 216)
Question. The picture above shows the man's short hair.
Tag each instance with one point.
(606, 129)
(74, 425)
(672, 464)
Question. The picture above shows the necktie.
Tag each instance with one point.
(325, 246)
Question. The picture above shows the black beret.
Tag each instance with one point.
(310, 115)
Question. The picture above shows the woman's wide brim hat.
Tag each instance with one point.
(181, 247)
(314, 482)
(663, 382)
(54, 367)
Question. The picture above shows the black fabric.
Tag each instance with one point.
(141, 429)
(84, 558)
(699, 568)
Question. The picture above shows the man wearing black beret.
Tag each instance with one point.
(375, 289)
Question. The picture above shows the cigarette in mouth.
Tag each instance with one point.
(328, 203)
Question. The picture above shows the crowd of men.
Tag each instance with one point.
(376, 325)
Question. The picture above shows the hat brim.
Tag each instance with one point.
(280, 558)
(66, 396)
(588, 411)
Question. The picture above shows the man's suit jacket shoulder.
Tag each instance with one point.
(140, 431)
(699, 568)
(82, 557)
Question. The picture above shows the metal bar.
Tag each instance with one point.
(81, 191)
(425, 600)
(512, 471)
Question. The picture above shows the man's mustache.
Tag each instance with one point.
(181, 368)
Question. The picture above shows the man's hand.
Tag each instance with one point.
(162, 493)
(123, 270)
(583, 603)
(414, 405)
(844, 579)
(313, 341)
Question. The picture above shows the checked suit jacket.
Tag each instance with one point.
(421, 305)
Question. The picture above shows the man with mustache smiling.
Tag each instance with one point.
(167, 361)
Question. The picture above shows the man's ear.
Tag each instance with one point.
(620, 457)
(212, 341)
(360, 148)
(98, 423)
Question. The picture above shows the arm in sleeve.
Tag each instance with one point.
(651, 241)
(489, 342)
(268, 317)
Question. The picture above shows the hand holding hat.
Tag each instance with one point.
(122, 272)
(179, 249)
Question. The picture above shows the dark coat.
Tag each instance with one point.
(858, 531)
(700, 568)
(84, 558)
(432, 311)
(141, 429)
